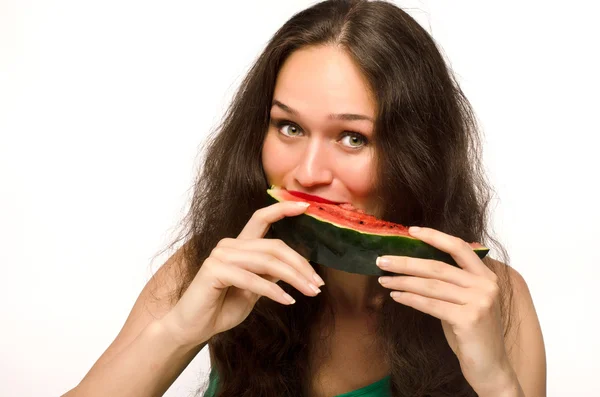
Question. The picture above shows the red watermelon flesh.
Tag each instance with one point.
(347, 216)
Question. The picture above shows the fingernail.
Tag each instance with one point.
(384, 280)
(318, 279)
(414, 229)
(314, 288)
(289, 298)
(383, 262)
(302, 204)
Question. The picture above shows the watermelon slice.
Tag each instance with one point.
(346, 238)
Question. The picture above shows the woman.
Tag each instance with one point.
(350, 101)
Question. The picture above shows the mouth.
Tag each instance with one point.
(310, 197)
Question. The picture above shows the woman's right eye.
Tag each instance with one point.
(292, 129)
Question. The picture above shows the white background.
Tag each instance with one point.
(103, 106)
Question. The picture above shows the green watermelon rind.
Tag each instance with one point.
(352, 251)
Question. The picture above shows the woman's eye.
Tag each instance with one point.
(292, 129)
(354, 140)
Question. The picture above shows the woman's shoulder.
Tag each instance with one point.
(510, 279)
(524, 340)
(514, 289)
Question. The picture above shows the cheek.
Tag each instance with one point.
(358, 175)
(274, 160)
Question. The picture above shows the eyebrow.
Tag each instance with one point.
(338, 116)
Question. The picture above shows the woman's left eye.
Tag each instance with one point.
(354, 140)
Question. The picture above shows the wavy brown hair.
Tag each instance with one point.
(429, 173)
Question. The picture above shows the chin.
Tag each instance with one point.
(376, 211)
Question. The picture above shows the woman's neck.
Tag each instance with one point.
(350, 293)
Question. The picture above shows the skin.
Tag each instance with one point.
(307, 150)
(314, 153)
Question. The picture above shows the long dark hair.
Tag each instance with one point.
(429, 173)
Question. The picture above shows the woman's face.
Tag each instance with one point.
(320, 136)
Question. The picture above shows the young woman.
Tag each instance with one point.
(350, 101)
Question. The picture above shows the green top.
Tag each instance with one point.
(381, 388)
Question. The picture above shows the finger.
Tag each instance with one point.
(430, 288)
(264, 264)
(461, 251)
(280, 250)
(446, 311)
(427, 268)
(226, 275)
(261, 220)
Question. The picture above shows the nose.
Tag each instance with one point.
(315, 165)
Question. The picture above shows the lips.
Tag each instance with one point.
(310, 197)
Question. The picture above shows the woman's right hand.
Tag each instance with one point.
(236, 274)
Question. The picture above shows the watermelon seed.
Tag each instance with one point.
(362, 222)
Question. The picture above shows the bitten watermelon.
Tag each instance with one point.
(345, 238)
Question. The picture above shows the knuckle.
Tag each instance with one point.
(460, 243)
(209, 263)
(270, 261)
(224, 242)
(486, 302)
(437, 268)
(431, 285)
(473, 318)
(494, 289)
(403, 263)
(260, 213)
(275, 289)
(431, 304)
(251, 280)
(278, 243)
(219, 252)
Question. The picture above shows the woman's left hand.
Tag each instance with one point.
(465, 299)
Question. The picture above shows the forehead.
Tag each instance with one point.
(323, 80)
